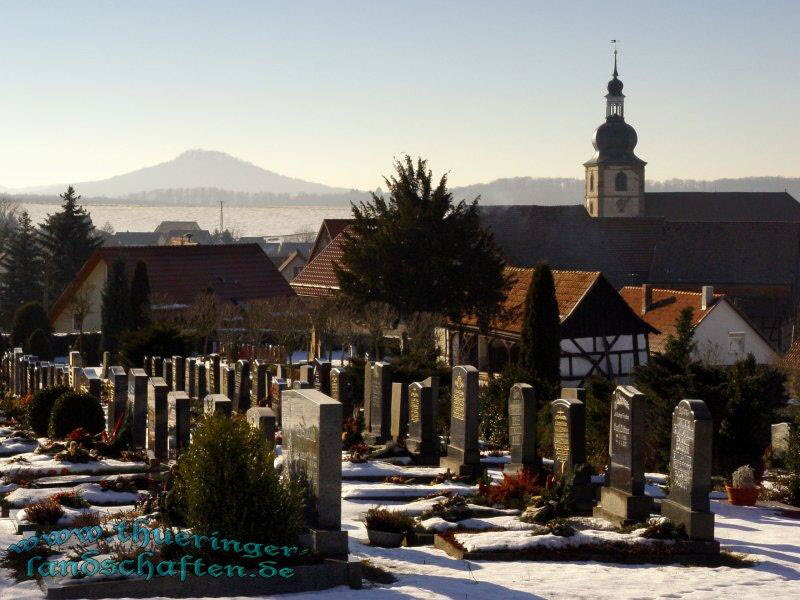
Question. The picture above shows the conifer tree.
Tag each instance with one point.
(67, 238)
(540, 343)
(21, 280)
(680, 345)
(115, 310)
(140, 297)
(40, 345)
(28, 318)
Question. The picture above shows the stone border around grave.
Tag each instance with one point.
(307, 578)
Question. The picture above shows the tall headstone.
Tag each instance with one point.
(259, 383)
(200, 380)
(228, 382)
(399, 426)
(147, 365)
(217, 404)
(137, 399)
(367, 390)
(179, 373)
(322, 376)
(167, 372)
(522, 423)
(623, 502)
(157, 431)
(263, 419)
(93, 382)
(118, 399)
(340, 391)
(106, 363)
(278, 388)
(307, 374)
(157, 367)
(569, 430)
(312, 425)
(189, 387)
(178, 421)
(422, 442)
(241, 394)
(690, 472)
(463, 456)
(378, 412)
(214, 384)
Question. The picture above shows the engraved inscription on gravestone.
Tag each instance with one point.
(458, 399)
(561, 437)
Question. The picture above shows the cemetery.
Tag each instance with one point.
(115, 451)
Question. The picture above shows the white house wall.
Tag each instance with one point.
(713, 338)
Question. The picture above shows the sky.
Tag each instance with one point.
(333, 91)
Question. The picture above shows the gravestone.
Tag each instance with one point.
(322, 376)
(306, 375)
(690, 472)
(178, 422)
(569, 430)
(106, 363)
(300, 384)
(118, 400)
(378, 411)
(522, 423)
(623, 502)
(214, 386)
(278, 388)
(200, 380)
(179, 373)
(399, 427)
(263, 419)
(463, 456)
(167, 372)
(422, 440)
(779, 433)
(339, 391)
(93, 383)
(75, 359)
(367, 389)
(157, 369)
(157, 432)
(137, 399)
(260, 380)
(312, 426)
(147, 365)
(191, 367)
(281, 372)
(241, 393)
(218, 404)
(228, 381)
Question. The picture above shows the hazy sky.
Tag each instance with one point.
(332, 91)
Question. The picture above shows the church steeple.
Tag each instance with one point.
(615, 175)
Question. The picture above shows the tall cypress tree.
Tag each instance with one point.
(67, 238)
(21, 280)
(140, 297)
(540, 344)
(115, 311)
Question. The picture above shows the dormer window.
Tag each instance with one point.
(621, 182)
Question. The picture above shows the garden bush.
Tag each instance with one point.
(493, 405)
(73, 410)
(390, 521)
(41, 406)
(226, 483)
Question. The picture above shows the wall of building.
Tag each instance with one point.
(716, 344)
(621, 355)
(91, 288)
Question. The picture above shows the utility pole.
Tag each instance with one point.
(221, 222)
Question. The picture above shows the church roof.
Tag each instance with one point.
(722, 206)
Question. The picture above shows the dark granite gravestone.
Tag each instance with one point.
(522, 423)
(339, 391)
(241, 393)
(378, 427)
(217, 404)
(158, 367)
(200, 380)
(259, 390)
(167, 372)
(322, 376)
(118, 399)
(178, 421)
(623, 502)
(569, 430)
(422, 440)
(278, 387)
(367, 391)
(214, 385)
(137, 401)
(191, 368)
(157, 432)
(147, 365)
(312, 426)
(179, 373)
(94, 385)
(228, 382)
(105, 364)
(463, 456)
(263, 419)
(690, 471)
(399, 423)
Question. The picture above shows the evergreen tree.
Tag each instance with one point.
(540, 340)
(40, 345)
(21, 280)
(115, 310)
(28, 318)
(680, 345)
(140, 297)
(68, 239)
(420, 252)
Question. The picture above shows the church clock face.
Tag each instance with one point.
(622, 204)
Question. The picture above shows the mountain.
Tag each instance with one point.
(192, 169)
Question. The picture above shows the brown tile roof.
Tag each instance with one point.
(318, 277)
(328, 230)
(791, 359)
(236, 272)
(571, 287)
(664, 309)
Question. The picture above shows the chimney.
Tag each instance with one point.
(706, 297)
(647, 296)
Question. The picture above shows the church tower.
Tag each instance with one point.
(614, 184)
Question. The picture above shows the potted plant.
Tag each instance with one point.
(743, 490)
(387, 528)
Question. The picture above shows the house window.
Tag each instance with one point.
(736, 342)
(297, 271)
(77, 322)
(621, 182)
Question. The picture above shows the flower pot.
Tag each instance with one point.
(385, 539)
(742, 496)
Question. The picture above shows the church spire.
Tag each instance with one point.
(615, 64)
(615, 99)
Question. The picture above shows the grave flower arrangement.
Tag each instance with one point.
(387, 528)
(514, 491)
(743, 490)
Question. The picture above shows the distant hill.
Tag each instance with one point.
(192, 169)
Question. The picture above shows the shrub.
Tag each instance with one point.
(389, 521)
(493, 405)
(155, 340)
(452, 508)
(44, 512)
(73, 410)
(41, 406)
(664, 529)
(71, 499)
(39, 344)
(744, 478)
(18, 562)
(226, 483)
(28, 318)
(513, 491)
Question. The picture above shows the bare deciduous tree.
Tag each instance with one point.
(377, 318)
(203, 317)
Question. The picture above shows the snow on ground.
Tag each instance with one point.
(43, 464)
(17, 445)
(385, 469)
(509, 522)
(91, 492)
(390, 490)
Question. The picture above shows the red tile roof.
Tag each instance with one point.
(328, 230)
(664, 309)
(236, 272)
(318, 277)
(791, 359)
